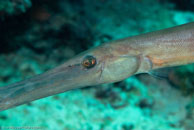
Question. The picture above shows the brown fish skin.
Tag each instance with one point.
(114, 62)
(164, 48)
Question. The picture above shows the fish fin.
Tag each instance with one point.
(161, 73)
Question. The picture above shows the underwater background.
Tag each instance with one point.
(37, 35)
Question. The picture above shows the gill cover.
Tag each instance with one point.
(119, 68)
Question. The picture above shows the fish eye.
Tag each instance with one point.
(89, 62)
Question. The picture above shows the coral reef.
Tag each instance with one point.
(10, 7)
(49, 32)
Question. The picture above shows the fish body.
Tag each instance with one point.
(108, 63)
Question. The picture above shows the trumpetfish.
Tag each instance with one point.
(107, 63)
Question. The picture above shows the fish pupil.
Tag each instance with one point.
(89, 62)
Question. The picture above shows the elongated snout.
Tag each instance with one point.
(73, 74)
